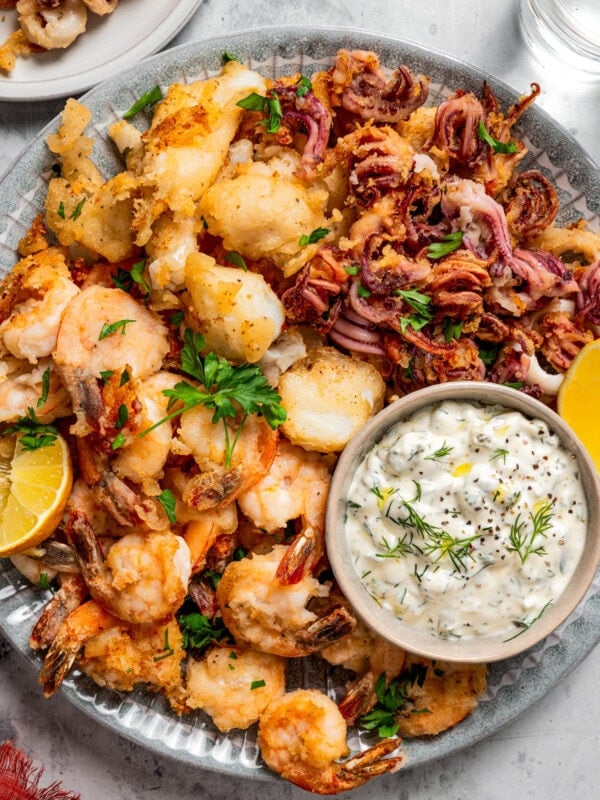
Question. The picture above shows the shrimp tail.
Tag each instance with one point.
(57, 665)
(303, 554)
(86, 546)
(71, 594)
(213, 489)
(338, 623)
(364, 766)
(359, 699)
(86, 398)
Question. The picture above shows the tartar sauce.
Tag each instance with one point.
(467, 520)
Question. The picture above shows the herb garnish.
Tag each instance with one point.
(457, 550)
(223, 385)
(304, 86)
(45, 388)
(167, 500)
(149, 98)
(114, 327)
(78, 208)
(442, 451)
(499, 452)
(391, 699)
(420, 304)
(227, 57)
(61, 210)
(313, 237)
(167, 649)
(199, 631)
(522, 543)
(235, 258)
(106, 374)
(524, 626)
(447, 244)
(362, 291)
(43, 582)
(488, 352)
(353, 269)
(33, 434)
(267, 105)
(176, 318)
(257, 685)
(118, 441)
(514, 384)
(497, 147)
(451, 329)
(122, 416)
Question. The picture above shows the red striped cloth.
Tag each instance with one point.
(20, 779)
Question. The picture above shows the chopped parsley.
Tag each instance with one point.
(167, 649)
(32, 433)
(236, 258)
(43, 582)
(257, 685)
(227, 57)
(199, 631)
(118, 441)
(270, 106)
(167, 500)
(114, 327)
(45, 388)
(78, 208)
(497, 147)
(451, 329)
(149, 98)
(304, 86)
(313, 237)
(447, 244)
(223, 385)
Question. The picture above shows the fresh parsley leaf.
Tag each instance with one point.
(106, 374)
(362, 291)
(417, 301)
(199, 631)
(78, 208)
(61, 210)
(118, 441)
(114, 327)
(45, 388)
(122, 416)
(257, 685)
(447, 244)
(488, 352)
(32, 434)
(353, 269)
(167, 649)
(176, 318)
(514, 384)
(125, 378)
(227, 57)
(122, 280)
(137, 274)
(239, 553)
(149, 98)
(235, 258)
(167, 500)
(451, 329)
(497, 147)
(43, 582)
(270, 106)
(313, 237)
(226, 390)
(304, 86)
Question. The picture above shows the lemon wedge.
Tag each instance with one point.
(578, 398)
(34, 489)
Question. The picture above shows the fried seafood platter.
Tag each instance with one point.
(192, 342)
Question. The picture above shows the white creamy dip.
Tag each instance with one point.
(467, 520)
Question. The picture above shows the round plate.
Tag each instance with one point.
(110, 44)
(513, 685)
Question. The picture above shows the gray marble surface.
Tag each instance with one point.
(551, 751)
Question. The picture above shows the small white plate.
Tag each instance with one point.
(135, 30)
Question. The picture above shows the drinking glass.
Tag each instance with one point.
(567, 29)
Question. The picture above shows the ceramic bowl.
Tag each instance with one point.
(382, 621)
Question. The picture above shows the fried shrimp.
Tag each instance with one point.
(114, 653)
(302, 734)
(234, 686)
(272, 616)
(144, 576)
(34, 297)
(105, 330)
(22, 386)
(218, 483)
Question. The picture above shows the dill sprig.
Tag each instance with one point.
(440, 453)
(444, 545)
(523, 543)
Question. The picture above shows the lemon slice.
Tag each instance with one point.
(578, 398)
(34, 489)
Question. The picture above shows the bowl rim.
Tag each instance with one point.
(477, 649)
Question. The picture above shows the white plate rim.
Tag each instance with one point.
(15, 90)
